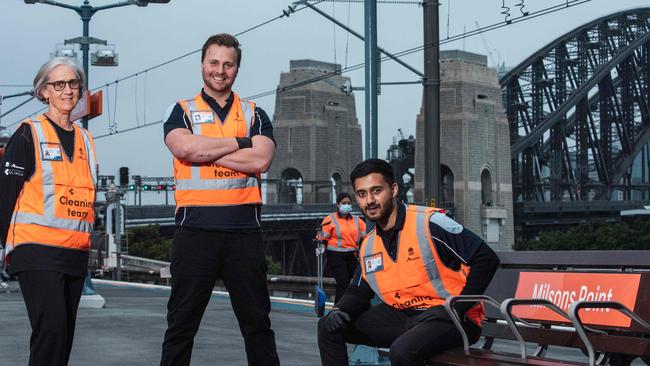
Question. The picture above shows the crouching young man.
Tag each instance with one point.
(412, 261)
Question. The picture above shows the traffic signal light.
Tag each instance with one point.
(124, 176)
(146, 187)
(162, 187)
(131, 187)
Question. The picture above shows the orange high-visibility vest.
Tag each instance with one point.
(417, 279)
(55, 206)
(209, 184)
(341, 234)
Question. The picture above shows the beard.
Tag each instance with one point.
(380, 211)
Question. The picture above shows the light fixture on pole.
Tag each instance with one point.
(63, 50)
(86, 11)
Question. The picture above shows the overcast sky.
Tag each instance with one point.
(146, 36)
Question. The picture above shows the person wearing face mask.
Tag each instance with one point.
(342, 232)
(47, 192)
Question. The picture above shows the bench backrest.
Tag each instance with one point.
(622, 276)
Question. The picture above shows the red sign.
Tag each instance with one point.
(563, 289)
(88, 106)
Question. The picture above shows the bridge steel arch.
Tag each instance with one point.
(579, 113)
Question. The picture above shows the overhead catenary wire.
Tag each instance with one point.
(285, 13)
(531, 15)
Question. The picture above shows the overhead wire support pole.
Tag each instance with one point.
(431, 102)
(354, 33)
(86, 11)
(371, 61)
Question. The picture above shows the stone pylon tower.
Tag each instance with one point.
(474, 149)
(317, 133)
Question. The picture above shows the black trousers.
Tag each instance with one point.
(52, 299)
(342, 265)
(383, 326)
(199, 257)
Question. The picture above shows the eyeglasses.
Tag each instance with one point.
(60, 84)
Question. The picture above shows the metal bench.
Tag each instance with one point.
(603, 340)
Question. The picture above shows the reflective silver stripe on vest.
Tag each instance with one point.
(356, 223)
(249, 114)
(421, 222)
(196, 130)
(54, 222)
(47, 171)
(370, 277)
(341, 249)
(215, 184)
(48, 218)
(339, 241)
(92, 162)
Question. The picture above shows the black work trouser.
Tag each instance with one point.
(342, 266)
(199, 257)
(52, 299)
(383, 326)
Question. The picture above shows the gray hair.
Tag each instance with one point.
(40, 80)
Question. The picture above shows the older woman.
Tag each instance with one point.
(47, 190)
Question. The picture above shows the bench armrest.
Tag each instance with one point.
(449, 306)
(581, 329)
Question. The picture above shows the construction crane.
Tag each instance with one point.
(488, 49)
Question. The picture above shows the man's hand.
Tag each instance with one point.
(336, 320)
(434, 313)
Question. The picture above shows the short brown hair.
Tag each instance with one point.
(222, 39)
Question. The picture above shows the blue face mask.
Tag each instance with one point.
(345, 208)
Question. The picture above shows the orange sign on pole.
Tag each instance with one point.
(88, 106)
(563, 289)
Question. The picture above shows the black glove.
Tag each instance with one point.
(431, 314)
(336, 320)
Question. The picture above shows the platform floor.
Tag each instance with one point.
(130, 330)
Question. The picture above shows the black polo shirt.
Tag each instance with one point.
(240, 217)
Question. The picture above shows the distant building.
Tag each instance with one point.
(317, 133)
(474, 148)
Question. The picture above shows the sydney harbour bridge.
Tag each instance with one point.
(579, 117)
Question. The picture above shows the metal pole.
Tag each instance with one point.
(370, 27)
(86, 13)
(118, 236)
(431, 103)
